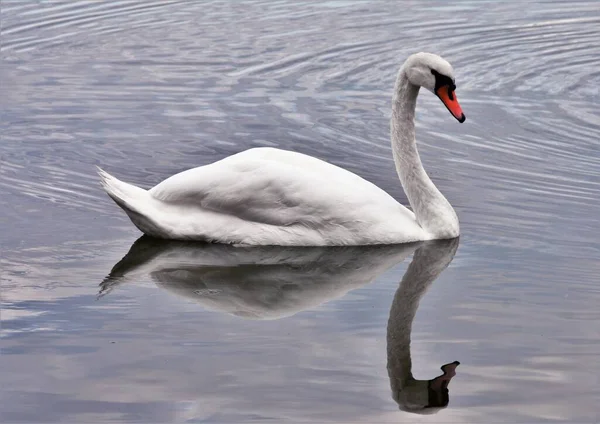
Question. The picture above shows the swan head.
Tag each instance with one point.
(434, 73)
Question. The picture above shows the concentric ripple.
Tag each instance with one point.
(150, 88)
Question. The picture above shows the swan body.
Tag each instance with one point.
(267, 196)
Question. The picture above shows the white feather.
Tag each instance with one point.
(267, 196)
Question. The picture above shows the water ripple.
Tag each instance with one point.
(211, 78)
(150, 88)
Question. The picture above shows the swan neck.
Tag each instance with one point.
(432, 211)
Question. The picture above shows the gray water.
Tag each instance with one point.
(180, 333)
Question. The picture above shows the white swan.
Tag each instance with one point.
(267, 196)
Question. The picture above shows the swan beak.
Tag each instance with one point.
(448, 97)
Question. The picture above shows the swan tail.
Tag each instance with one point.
(141, 207)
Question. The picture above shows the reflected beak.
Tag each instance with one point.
(447, 96)
(443, 380)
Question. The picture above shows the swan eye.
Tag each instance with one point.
(443, 80)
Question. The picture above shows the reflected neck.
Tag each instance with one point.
(433, 212)
(428, 262)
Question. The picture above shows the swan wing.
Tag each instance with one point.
(271, 196)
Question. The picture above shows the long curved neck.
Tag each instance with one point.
(433, 212)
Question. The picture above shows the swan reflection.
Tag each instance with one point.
(275, 282)
(266, 282)
(412, 395)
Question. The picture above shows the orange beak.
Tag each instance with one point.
(447, 96)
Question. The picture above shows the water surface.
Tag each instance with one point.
(148, 89)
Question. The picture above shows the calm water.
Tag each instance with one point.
(186, 333)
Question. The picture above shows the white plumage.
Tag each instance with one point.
(267, 196)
